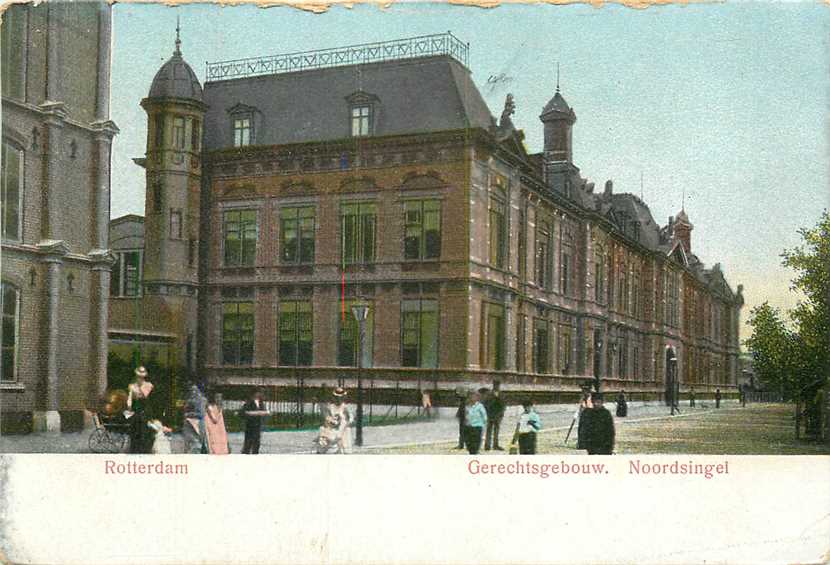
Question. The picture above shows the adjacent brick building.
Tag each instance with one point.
(56, 140)
(292, 185)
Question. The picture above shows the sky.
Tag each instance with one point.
(725, 105)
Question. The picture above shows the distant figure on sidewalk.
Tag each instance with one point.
(742, 391)
(717, 398)
(426, 404)
(494, 406)
(622, 405)
(193, 427)
(461, 415)
(475, 420)
(584, 404)
(599, 428)
(216, 436)
(253, 411)
(526, 428)
(334, 433)
(692, 397)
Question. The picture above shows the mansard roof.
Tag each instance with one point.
(419, 95)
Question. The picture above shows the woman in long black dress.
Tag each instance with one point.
(141, 436)
(622, 405)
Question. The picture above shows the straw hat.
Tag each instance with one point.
(339, 392)
(141, 372)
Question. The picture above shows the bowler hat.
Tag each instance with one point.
(596, 396)
(339, 392)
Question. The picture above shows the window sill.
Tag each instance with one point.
(425, 265)
(295, 269)
(12, 387)
(359, 268)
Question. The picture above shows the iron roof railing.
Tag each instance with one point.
(409, 48)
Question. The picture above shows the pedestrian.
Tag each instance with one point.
(495, 412)
(584, 404)
(138, 413)
(526, 428)
(193, 427)
(334, 434)
(216, 435)
(475, 420)
(426, 404)
(253, 411)
(599, 428)
(717, 398)
(742, 391)
(460, 415)
(161, 441)
(622, 405)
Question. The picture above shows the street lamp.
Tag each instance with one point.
(673, 377)
(360, 311)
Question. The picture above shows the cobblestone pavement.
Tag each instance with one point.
(441, 429)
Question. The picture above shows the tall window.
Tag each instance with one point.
(543, 255)
(422, 237)
(11, 331)
(635, 359)
(498, 233)
(240, 238)
(419, 333)
(126, 276)
(238, 333)
(599, 275)
(358, 224)
(564, 350)
(493, 329)
(622, 288)
(195, 135)
(175, 224)
(522, 244)
(296, 334)
(361, 120)
(566, 267)
(348, 343)
(297, 234)
(540, 346)
(12, 190)
(159, 135)
(242, 131)
(521, 343)
(623, 352)
(178, 132)
(12, 45)
(673, 302)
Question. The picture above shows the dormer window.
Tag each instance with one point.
(361, 120)
(242, 131)
(363, 108)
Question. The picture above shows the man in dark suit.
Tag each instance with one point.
(460, 414)
(495, 412)
(717, 398)
(253, 411)
(599, 427)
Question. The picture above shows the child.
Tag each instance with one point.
(161, 445)
(526, 428)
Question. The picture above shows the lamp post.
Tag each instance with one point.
(360, 311)
(673, 377)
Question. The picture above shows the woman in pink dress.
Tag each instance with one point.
(217, 436)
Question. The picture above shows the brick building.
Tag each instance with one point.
(56, 145)
(292, 185)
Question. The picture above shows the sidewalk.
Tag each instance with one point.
(442, 429)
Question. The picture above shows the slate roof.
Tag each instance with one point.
(557, 104)
(175, 79)
(419, 95)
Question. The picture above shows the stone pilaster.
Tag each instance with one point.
(53, 252)
(100, 290)
(105, 131)
(102, 106)
(54, 119)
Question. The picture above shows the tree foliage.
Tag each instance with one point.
(793, 353)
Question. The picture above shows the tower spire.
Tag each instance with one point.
(178, 50)
(557, 76)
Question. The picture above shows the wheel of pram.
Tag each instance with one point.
(98, 441)
(118, 442)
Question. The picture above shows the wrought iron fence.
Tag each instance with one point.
(409, 48)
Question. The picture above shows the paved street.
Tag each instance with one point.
(440, 430)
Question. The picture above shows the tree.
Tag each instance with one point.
(793, 355)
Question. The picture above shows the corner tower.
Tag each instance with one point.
(175, 114)
(558, 119)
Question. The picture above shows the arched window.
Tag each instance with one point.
(10, 331)
(11, 178)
